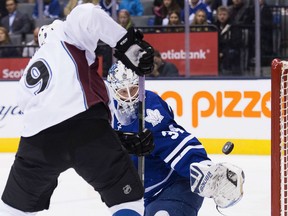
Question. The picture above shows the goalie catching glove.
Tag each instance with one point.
(223, 182)
(140, 144)
(135, 53)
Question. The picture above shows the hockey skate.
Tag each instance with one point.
(223, 182)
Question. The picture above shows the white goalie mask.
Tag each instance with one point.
(124, 85)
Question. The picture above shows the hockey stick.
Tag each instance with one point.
(141, 123)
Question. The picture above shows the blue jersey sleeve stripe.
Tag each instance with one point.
(183, 153)
(156, 185)
(178, 148)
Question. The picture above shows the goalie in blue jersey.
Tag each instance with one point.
(178, 171)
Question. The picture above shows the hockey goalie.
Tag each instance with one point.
(176, 162)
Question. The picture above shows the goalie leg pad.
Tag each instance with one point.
(135, 208)
(126, 212)
(162, 213)
(223, 182)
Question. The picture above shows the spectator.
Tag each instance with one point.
(193, 7)
(266, 33)
(73, 3)
(181, 3)
(209, 4)
(51, 9)
(200, 18)
(134, 7)
(157, 3)
(124, 19)
(266, 41)
(174, 23)
(31, 46)
(218, 3)
(174, 18)
(3, 9)
(107, 5)
(229, 43)
(6, 51)
(241, 17)
(161, 12)
(240, 13)
(163, 68)
(16, 22)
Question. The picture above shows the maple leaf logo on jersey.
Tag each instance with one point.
(153, 116)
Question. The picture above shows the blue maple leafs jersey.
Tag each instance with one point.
(175, 148)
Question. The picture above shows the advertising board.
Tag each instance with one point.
(213, 110)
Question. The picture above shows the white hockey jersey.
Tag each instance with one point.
(61, 79)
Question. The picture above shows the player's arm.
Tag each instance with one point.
(130, 48)
(140, 144)
(88, 24)
(185, 154)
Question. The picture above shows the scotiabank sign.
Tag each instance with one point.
(203, 53)
(12, 68)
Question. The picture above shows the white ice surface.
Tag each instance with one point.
(74, 197)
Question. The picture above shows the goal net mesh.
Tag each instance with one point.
(279, 137)
(283, 136)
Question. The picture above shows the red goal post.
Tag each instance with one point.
(279, 137)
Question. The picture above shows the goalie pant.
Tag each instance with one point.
(167, 167)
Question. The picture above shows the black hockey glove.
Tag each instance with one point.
(135, 53)
(140, 144)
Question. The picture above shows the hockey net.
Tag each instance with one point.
(279, 137)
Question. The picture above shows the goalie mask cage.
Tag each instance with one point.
(279, 137)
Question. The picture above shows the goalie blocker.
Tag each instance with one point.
(140, 144)
(223, 182)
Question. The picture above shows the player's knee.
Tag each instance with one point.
(162, 213)
(128, 188)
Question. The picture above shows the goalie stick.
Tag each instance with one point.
(141, 123)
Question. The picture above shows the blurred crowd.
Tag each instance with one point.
(233, 19)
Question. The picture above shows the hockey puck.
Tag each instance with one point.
(228, 147)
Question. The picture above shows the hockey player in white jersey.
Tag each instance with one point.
(178, 172)
(67, 119)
